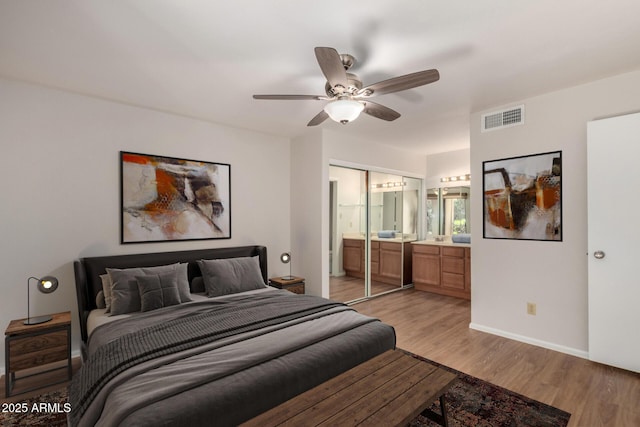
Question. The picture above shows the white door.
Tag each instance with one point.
(613, 161)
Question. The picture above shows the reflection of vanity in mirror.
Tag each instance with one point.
(374, 217)
(442, 262)
(393, 226)
(395, 211)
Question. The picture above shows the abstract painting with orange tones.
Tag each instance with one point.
(523, 197)
(169, 199)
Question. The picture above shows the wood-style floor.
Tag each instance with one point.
(437, 327)
(347, 288)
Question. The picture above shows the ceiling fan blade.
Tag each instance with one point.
(380, 111)
(319, 118)
(396, 84)
(331, 66)
(290, 97)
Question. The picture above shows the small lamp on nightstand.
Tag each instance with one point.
(46, 285)
(286, 259)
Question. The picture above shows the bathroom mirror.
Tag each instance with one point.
(448, 211)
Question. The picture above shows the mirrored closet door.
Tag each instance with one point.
(373, 220)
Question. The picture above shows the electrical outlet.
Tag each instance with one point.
(531, 308)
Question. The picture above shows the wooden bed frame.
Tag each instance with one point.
(88, 271)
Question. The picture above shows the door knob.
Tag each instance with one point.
(598, 254)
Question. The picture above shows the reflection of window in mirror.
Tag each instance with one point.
(448, 211)
(433, 212)
(456, 210)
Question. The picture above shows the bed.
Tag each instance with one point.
(237, 349)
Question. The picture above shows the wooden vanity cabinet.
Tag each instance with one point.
(426, 266)
(375, 258)
(452, 266)
(353, 257)
(394, 260)
(442, 269)
(388, 260)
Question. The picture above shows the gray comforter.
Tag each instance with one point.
(218, 362)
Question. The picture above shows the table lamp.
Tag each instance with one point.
(46, 285)
(286, 259)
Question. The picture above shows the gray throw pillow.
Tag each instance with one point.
(106, 290)
(183, 282)
(158, 290)
(125, 296)
(231, 275)
(100, 303)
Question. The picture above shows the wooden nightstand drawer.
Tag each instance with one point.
(35, 346)
(296, 289)
(21, 346)
(37, 358)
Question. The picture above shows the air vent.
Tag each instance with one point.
(504, 118)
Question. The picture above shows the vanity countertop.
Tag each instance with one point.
(445, 243)
(357, 236)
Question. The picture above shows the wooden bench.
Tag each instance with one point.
(388, 390)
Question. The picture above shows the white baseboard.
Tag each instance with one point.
(528, 340)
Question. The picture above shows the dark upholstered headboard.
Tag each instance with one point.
(88, 270)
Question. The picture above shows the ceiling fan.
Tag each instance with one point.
(345, 92)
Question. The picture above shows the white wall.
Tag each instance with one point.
(345, 149)
(308, 225)
(60, 187)
(450, 163)
(506, 274)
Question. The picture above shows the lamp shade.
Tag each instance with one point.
(286, 259)
(46, 285)
(344, 110)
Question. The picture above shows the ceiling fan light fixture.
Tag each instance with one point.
(344, 110)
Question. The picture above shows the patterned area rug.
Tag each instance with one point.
(46, 410)
(470, 402)
(474, 402)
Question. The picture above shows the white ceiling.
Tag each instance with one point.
(205, 58)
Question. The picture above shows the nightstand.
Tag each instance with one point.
(295, 285)
(33, 346)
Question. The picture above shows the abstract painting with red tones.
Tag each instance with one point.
(169, 199)
(523, 197)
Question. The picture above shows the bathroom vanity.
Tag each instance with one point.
(442, 267)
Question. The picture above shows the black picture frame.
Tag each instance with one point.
(522, 197)
(165, 199)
